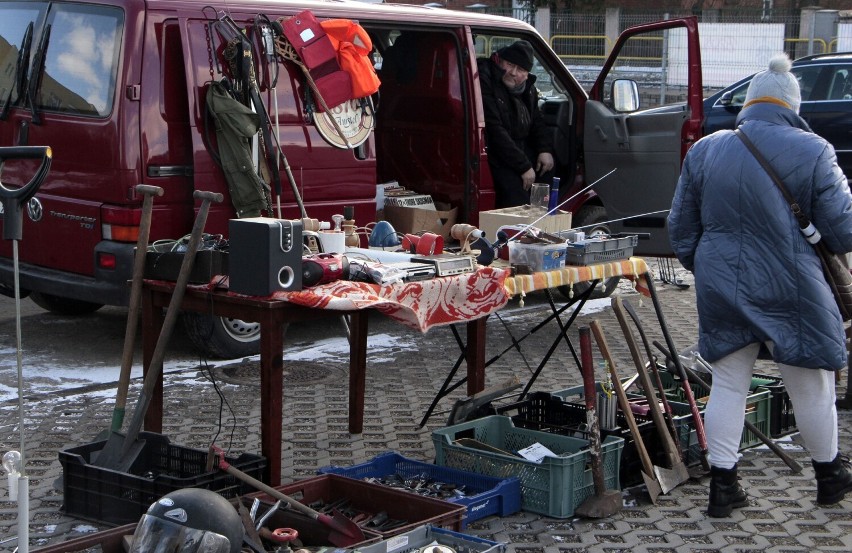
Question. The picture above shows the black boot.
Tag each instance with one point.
(725, 492)
(834, 479)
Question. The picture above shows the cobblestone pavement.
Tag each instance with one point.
(405, 370)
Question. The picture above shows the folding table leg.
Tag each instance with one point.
(578, 303)
(446, 388)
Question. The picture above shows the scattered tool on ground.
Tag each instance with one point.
(766, 440)
(687, 389)
(344, 532)
(464, 408)
(603, 502)
(120, 451)
(148, 192)
(678, 473)
(648, 473)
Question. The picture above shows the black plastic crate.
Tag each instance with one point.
(112, 497)
(782, 420)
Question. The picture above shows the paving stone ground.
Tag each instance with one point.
(781, 516)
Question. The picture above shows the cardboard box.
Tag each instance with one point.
(490, 221)
(415, 220)
(409, 199)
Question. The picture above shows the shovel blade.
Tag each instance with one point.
(344, 532)
(669, 479)
(601, 505)
(653, 486)
(117, 454)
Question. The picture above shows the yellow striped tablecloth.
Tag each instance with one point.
(634, 268)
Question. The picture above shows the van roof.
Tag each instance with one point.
(351, 9)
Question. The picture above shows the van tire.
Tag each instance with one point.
(589, 215)
(222, 337)
(64, 306)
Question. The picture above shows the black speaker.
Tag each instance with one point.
(265, 255)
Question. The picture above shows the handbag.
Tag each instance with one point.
(833, 266)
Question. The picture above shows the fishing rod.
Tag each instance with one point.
(552, 211)
(601, 223)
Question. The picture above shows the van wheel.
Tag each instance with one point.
(221, 337)
(589, 215)
(64, 306)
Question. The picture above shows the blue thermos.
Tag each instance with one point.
(554, 197)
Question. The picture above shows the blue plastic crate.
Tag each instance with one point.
(487, 495)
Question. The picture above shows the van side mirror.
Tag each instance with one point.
(726, 98)
(625, 95)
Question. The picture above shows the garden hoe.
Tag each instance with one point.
(648, 473)
(677, 474)
(604, 502)
(148, 192)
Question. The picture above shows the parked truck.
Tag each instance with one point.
(117, 88)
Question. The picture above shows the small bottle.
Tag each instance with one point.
(554, 197)
(352, 238)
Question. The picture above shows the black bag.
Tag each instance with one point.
(834, 266)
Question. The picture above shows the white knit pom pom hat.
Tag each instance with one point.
(775, 85)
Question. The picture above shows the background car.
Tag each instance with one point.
(826, 83)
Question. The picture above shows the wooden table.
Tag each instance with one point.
(274, 315)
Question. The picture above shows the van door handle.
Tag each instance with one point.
(620, 127)
(170, 170)
(601, 133)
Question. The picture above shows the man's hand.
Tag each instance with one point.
(544, 163)
(528, 178)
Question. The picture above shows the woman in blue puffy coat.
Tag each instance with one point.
(758, 281)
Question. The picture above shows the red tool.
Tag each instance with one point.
(427, 243)
(604, 502)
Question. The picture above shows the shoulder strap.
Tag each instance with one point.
(794, 206)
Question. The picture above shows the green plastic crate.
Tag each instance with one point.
(555, 487)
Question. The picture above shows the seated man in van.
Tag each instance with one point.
(520, 148)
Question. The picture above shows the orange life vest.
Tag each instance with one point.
(353, 47)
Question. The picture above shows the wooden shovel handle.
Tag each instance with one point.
(653, 406)
(603, 346)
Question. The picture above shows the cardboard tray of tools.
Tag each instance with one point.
(380, 510)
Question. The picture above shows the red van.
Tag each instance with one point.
(117, 89)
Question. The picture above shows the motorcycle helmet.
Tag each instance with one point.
(191, 520)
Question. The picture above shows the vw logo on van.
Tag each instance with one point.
(35, 210)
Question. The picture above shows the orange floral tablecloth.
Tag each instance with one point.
(424, 304)
(419, 305)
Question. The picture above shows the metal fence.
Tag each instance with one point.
(583, 40)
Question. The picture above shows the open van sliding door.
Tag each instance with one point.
(645, 146)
